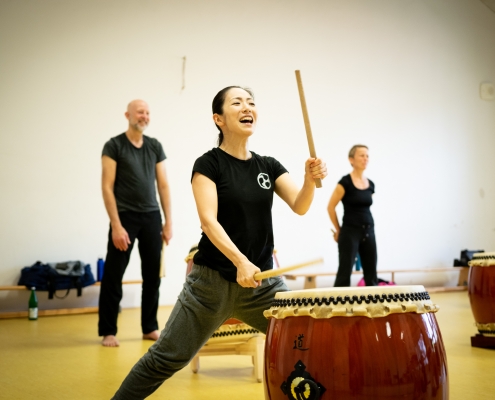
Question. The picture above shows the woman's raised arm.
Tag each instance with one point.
(299, 200)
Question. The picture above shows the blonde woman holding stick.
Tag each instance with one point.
(357, 234)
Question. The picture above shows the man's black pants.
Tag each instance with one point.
(146, 227)
(354, 239)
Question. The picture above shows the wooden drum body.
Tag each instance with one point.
(481, 290)
(365, 343)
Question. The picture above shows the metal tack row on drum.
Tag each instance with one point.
(481, 291)
(354, 343)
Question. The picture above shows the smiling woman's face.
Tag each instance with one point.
(239, 113)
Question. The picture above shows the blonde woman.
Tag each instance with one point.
(357, 234)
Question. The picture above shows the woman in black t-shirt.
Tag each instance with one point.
(233, 188)
(357, 234)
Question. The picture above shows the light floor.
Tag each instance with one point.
(61, 357)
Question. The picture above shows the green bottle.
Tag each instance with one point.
(33, 305)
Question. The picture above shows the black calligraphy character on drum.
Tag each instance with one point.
(298, 343)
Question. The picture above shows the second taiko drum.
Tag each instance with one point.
(481, 291)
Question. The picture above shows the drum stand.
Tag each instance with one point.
(484, 342)
(253, 347)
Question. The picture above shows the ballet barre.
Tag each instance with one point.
(310, 278)
(22, 287)
(55, 311)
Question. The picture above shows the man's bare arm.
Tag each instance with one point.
(120, 237)
(164, 193)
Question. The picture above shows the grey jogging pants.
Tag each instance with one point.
(205, 302)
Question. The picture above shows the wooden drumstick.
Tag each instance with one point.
(280, 271)
(162, 261)
(309, 135)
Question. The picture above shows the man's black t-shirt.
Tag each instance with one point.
(357, 203)
(134, 186)
(245, 196)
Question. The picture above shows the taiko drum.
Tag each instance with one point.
(365, 343)
(481, 291)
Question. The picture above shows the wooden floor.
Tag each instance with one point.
(61, 357)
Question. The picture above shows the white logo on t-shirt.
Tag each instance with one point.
(264, 181)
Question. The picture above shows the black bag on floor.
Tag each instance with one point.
(466, 256)
(57, 276)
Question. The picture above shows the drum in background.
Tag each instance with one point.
(481, 291)
(189, 258)
(233, 330)
(365, 343)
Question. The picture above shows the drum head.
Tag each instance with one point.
(369, 301)
(486, 259)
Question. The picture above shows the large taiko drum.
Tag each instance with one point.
(481, 290)
(369, 343)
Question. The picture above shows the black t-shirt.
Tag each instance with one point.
(134, 186)
(245, 197)
(357, 203)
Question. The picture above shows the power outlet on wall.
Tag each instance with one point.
(487, 91)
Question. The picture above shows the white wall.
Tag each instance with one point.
(402, 77)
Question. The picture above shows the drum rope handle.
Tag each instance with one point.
(314, 391)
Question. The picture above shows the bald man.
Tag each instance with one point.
(131, 163)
